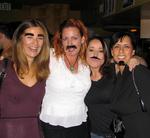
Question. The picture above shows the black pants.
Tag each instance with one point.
(51, 131)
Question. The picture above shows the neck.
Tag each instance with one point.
(96, 75)
(119, 68)
(71, 59)
(71, 63)
(30, 61)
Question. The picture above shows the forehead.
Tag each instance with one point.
(70, 29)
(95, 43)
(34, 30)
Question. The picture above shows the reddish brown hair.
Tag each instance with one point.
(57, 41)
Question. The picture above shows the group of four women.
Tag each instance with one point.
(70, 100)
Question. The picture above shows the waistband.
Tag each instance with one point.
(49, 126)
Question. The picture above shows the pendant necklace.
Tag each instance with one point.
(72, 66)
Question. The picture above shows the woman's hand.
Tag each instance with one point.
(134, 61)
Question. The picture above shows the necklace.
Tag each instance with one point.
(72, 66)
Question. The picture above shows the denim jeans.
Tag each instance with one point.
(96, 136)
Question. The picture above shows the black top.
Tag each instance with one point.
(126, 103)
(98, 101)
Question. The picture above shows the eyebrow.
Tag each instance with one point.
(31, 34)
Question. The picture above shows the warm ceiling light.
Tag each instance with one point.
(133, 30)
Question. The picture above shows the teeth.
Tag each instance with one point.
(34, 48)
(121, 57)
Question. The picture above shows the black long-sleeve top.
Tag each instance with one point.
(98, 101)
(126, 102)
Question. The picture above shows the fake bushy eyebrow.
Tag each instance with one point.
(31, 34)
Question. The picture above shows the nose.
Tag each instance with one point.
(95, 53)
(121, 50)
(35, 41)
(69, 42)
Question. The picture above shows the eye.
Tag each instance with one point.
(40, 38)
(101, 50)
(29, 37)
(126, 46)
(115, 46)
(75, 38)
(64, 39)
(91, 50)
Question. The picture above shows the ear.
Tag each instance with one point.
(1, 35)
(112, 52)
(133, 52)
(82, 39)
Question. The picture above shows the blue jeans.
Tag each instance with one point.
(96, 136)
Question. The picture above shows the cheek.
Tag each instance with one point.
(24, 46)
(101, 56)
(88, 59)
(89, 54)
(129, 53)
(64, 43)
(41, 43)
(78, 43)
(40, 48)
(115, 53)
(102, 62)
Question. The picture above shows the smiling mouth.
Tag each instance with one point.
(34, 49)
(121, 57)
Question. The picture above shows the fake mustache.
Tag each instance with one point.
(71, 46)
(121, 63)
(95, 57)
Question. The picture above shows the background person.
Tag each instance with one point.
(6, 34)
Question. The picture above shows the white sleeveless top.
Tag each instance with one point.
(63, 103)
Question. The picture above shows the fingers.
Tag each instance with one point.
(133, 62)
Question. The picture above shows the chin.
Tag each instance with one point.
(72, 54)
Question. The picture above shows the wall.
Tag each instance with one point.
(51, 14)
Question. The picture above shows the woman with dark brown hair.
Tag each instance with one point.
(129, 104)
(99, 98)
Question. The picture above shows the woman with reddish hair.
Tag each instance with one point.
(64, 113)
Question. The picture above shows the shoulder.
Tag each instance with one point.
(141, 69)
(109, 71)
(142, 74)
(53, 54)
(52, 51)
(5, 62)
